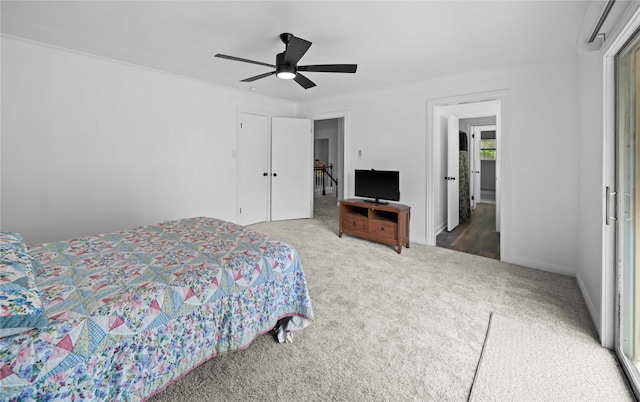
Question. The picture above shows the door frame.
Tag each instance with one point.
(480, 129)
(343, 185)
(503, 183)
(627, 27)
(234, 154)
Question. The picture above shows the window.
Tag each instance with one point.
(488, 149)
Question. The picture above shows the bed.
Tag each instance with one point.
(120, 316)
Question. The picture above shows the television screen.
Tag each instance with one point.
(378, 184)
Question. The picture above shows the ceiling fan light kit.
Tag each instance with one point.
(284, 71)
(286, 75)
(286, 66)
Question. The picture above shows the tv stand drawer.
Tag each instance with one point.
(383, 228)
(355, 222)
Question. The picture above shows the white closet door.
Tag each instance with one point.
(252, 153)
(453, 174)
(291, 168)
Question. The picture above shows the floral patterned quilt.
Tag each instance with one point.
(131, 311)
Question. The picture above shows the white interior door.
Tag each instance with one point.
(252, 164)
(476, 168)
(291, 168)
(453, 173)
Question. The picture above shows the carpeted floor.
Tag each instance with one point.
(515, 363)
(388, 326)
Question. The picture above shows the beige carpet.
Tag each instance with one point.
(390, 327)
(523, 360)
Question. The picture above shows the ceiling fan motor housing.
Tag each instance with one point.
(286, 37)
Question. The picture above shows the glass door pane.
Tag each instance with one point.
(628, 274)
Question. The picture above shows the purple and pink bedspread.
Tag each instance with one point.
(131, 311)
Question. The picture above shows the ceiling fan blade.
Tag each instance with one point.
(296, 48)
(257, 77)
(304, 81)
(330, 68)
(224, 56)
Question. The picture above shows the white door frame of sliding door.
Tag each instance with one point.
(627, 28)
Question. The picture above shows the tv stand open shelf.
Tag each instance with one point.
(384, 223)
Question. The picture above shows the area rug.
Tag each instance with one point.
(525, 361)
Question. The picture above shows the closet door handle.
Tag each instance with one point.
(265, 174)
(275, 174)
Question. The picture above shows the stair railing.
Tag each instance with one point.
(324, 180)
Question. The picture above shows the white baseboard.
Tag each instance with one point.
(440, 228)
(543, 266)
(593, 311)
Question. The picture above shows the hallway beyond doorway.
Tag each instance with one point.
(488, 196)
(476, 236)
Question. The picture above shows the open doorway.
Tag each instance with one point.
(478, 126)
(328, 175)
(477, 231)
(327, 152)
(483, 155)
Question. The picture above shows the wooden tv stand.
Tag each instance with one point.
(384, 223)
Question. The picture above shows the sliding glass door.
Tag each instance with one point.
(628, 196)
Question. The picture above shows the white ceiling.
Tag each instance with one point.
(393, 43)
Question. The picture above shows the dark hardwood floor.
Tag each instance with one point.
(476, 236)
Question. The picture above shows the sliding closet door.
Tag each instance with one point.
(628, 197)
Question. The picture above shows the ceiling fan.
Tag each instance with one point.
(287, 67)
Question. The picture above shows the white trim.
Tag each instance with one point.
(608, 307)
(344, 114)
(478, 129)
(623, 31)
(504, 182)
(543, 266)
(593, 311)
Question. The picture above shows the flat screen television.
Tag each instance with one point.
(377, 185)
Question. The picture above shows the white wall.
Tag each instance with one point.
(390, 127)
(91, 145)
